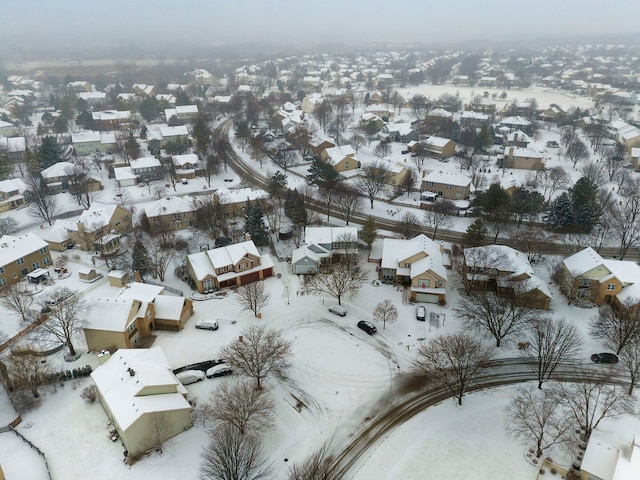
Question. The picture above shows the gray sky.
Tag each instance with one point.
(86, 23)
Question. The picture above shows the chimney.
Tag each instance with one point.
(137, 277)
(103, 356)
(131, 371)
(247, 236)
(441, 246)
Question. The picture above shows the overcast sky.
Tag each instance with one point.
(91, 22)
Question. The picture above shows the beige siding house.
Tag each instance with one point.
(451, 185)
(21, 255)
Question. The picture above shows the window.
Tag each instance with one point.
(424, 283)
(611, 286)
(1, 270)
(20, 261)
(448, 187)
(46, 261)
(3, 282)
(35, 266)
(43, 250)
(243, 266)
(585, 282)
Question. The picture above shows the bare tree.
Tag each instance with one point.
(160, 255)
(439, 216)
(8, 225)
(349, 201)
(594, 173)
(550, 180)
(239, 404)
(17, 299)
(624, 217)
(577, 151)
(537, 416)
(253, 296)
(453, 361)
(374, 179)
(233, 456)
(89, 394)
(28, 371)
(409, 181)
(258, 352)
(410, 225)
(382, 150)
(66, 316)
(532, 241)
(551, 342)
(630, 360)
(211, 215)
(43, 205)
(81, 186)
(160, 429)
(618, 326)
(384, 312)
(318, 466)
(338, 280)
(589, 401)
(357, 141)
(500, 316)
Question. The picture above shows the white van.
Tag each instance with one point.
(421, 313)
(190, 376)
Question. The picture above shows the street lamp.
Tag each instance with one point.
(287, 294)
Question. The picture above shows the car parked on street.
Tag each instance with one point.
(368, 327)
(604, 358)
(338, 310)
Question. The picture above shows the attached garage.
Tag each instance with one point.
(427, 297)
(251, 277)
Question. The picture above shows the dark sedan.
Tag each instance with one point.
(604, 358)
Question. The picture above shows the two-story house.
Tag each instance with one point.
(587, 275)
(417, 263)
(233, 265)
(184, 113)
(506, 271)
(147, 168)
(171, 213)
(101, 227)
(21, 255)
(511, 124)
(185, 165)
(179, 133)
(108, 120)
(398, 132)
(87, 143)
(523, 158)
(13, 194)
(321, 245)
(439, 147)
(340, 158)
(235, 201)
(142, 397)
(451, 185)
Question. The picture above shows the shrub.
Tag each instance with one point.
(553, 471)
(90, 394)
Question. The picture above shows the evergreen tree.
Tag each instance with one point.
(321, 174)
(559, 215)
(254, 225)
(369, 231)
(150, 108)
(182, 98)
(49, 152)
(584, 200)
(201, 133)
(476, 233)
(277, 185)
(526, 204)
(139, 259)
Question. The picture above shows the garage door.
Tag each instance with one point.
(426, 298)
(251, 277)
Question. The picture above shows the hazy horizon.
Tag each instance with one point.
(68, 27)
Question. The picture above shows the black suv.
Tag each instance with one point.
(368, 327)
(604, 358)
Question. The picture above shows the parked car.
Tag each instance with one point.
(368, 327)
(190, 376)
(184, 181)
(421, 313)
(604, 358)
(338, 310)
(404, 152)
(219, 371)
(207, 324)
(228, 179)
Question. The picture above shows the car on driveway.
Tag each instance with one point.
(219, 370)
(338, 310)
(604, 358)
(190, 376)
(207, 324)
(368, 327)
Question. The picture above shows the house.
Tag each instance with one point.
(417, 263)
(305, 261)
(171, 213)
(125, 177)
(178, 133)
(145, 401)
(321, 245)
(439, 147)
(147, 169)
(511, 124)
(371, 119)
(93, 98)
(13, 194)
(634, 157)
(107, 120)
(236, 201)
(185, 165)
(341, 158)
(554, 113)
(310, 102)
(20, 255)
(484, 104)
(518, 139)
(523, 158)
(319, 145)
(385, 111)
(506, 271)
(185, 113)
(398, 132)
(87, 143)
(451, 185)
(13, 147)
(439, 114)
(100, 228)
(587, 275)
(7, 129)
(604, 461)
(471, 119)
(57, 237)
(233, 265)
(397, 173)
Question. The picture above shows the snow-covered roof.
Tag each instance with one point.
(170, 206)
(600, 459)
(111, 314)
(396, 250)
(186, 109)
(56, 170)
(168, 307)
(97, 216)
(239, 195)
(129, 396)
(111, 115)
(403, 128)
(437, 141)
(447, 178)
(59, 231)
(524, 152)
(179, 130)
(187, 158)
(124, 173)
(232, 254)
(440, 112)
(625, 271)
(141, 291)
(12, 248)
(336, 154)
(515, 121)
(304, 252)
(145, 162)
(13, 185)
(583, 261)
(328, 235)
(85, 137)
